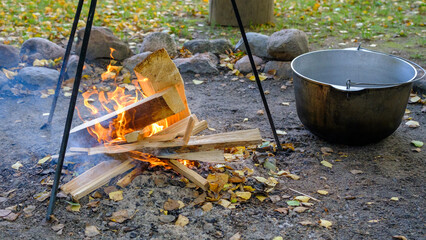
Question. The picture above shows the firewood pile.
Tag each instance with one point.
(158, 129)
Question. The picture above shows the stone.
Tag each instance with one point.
(3, 79)
(40, 48)
(200, 63)
(158, 40)
(72, 67)
(131, 62)
(101, 40)
(167, 218)
(38, 76)
(9, 56)
(281, 69)
(258, 44)
(216, 46)
(287, 44)
(420, 86)
(244, 65)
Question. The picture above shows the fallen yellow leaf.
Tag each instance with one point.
(302, 198)
(322, 192)
(327, 164)
(182, 221)
(325, 223)
(45, 159)
(17, 165)
(243, 195)
(116, 196)
(261, 198)
(224, 203)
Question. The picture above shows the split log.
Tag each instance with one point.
(188, 131)
(142, 113)
(196, 143)
(160, 73)
(190, 174)
(214, 156)
(96, 177)
(126, 180)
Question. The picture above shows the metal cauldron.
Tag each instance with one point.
(352, 96)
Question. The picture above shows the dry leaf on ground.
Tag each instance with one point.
(120, 216)
(325, 223)
(171, 205)
(412, 124)
(91, 231)
(327, 164)
(322, 192)
(207, 207)
(116, 196)
(182, 221)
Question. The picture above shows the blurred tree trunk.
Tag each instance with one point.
(251, 12)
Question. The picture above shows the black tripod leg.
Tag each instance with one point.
(64, 63)
(256, 75)
(71, 108)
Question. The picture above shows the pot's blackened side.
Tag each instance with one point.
(350, 117)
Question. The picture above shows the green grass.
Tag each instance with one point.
(343, 20)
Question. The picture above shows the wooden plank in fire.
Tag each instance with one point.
(195, 144)
(160, 73)
(96, 177)
(169, 133)
(190, 174)
(142, 113)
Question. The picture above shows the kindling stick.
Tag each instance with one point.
(71, 107)
(256, 75)
(64, 64)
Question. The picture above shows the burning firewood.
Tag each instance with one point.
(157, 129)
(134, 116)
(196, 143)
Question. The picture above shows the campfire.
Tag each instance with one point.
(152, 125)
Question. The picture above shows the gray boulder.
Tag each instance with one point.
(72, 67)
(9, 56)
(38, 76)
(101, 40)
(134, 60)
(244, 65)
(287, 44)
(420, 86)
(281, 69)
(200, 63)
(40, 48)
(158, 40)
(258, 44)
(3, 79)
(216, 46)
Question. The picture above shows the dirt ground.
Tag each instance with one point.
(358, 205)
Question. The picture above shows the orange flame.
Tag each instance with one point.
(116, 129)
(112, 71)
